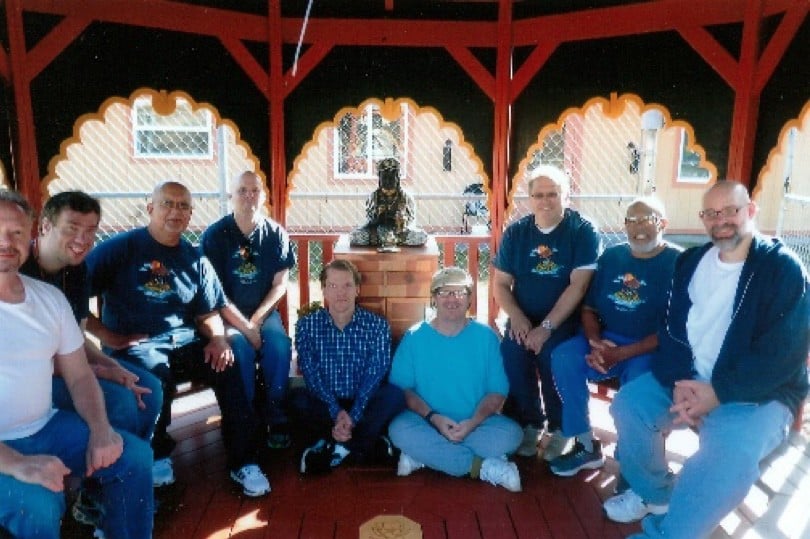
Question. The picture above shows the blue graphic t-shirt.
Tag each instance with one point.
(629, 293)
(541, 264)
(246, 265)
(151, 288)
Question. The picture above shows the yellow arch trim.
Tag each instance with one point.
(612, 108)
(390, 110)
(164, 103)
(776, 151)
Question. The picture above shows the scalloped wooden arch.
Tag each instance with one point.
(390, 110)
(164, 103)
(612, 108)
(776, 152)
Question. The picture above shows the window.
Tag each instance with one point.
(689, 169)
(184, 133)
(361, 141)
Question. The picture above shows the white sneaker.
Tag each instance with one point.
(629, 507)
(254, 482)
(557, 446)
(501, 472)
(407, 465)
(162, 472)
(528, 446)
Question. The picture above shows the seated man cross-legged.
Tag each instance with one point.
(624, 303)
(344, 353)
(452, 373)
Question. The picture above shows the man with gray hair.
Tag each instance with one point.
(542, 271)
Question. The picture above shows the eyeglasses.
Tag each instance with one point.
(463, 293)
(642, 220)
(728, 212)
(541, 196)
(172, 205)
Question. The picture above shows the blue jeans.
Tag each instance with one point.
(734, 438)
(571, 373)
(312, 415)
(239, 421)
(497, 435)
(122, 408)
(28, 510)
(522, 369)
(274, 356)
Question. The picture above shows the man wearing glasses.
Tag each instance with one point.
(252, 255)
(620, 315)
(731, 362)
(451, 371)
(161, 300)
(542, 271)
(344, 353)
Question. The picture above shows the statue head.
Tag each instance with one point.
(388, 172)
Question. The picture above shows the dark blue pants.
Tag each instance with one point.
(312, 416)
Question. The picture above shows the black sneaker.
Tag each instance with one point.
(279, 436)
(578, 459)
(87, 510)
(317, 459)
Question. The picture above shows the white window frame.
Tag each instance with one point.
(371, 154)
(207, 130)
(682, 149)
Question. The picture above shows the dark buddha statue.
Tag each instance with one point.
(390, 213)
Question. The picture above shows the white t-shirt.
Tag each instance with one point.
(712, 291)
(32, 333)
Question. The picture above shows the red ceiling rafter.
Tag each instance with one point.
(5, 68)
(308, 61)
(49, 47)
(248, 63)
(477, 72)
(712, 52)
(779, 42)
(526, 72)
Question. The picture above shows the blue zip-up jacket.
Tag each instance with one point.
(764, 354)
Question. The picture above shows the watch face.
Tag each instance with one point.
(547, 325)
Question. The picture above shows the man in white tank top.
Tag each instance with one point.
(731, 362)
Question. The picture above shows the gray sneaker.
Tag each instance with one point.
(528, 446)
(557, 445)
(578, 459)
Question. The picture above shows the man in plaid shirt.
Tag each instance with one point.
(344, 353)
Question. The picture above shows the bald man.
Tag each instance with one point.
(161, 302)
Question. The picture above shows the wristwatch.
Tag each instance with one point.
(547, 324)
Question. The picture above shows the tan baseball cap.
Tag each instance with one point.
(451, 276)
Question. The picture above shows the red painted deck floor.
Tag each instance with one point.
(204, 502)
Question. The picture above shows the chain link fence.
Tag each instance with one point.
(128, 148)
(794, 216)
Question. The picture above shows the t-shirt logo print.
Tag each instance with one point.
(628, 295)
(545, 266)
(246, 270)
(159, 278)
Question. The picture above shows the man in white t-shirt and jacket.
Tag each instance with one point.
(731, 363)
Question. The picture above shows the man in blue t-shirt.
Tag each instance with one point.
(252, 256)
(542, 271)
(620, 315)
(157, 288)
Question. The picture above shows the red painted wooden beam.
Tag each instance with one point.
(24, 146)
(52, 45)
(712, 52)
(308, 61)
(534, 63)
(477, 72)
(248, 63)
(746, 99)
(785, 32)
